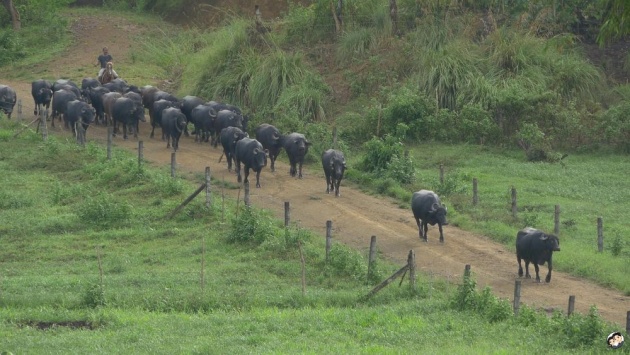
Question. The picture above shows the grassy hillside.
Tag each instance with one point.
(90, 264)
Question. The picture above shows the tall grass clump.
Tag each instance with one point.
(277, 72)
(357, 44)
(104, 210)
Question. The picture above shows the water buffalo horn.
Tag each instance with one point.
(544, 237)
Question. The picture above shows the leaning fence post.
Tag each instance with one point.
(571, 305)
(600, 234)
(517, 296)
(287, 214)
(328, 239)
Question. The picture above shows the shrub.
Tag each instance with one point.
(347, 262)
(104, 210)
(251, 226)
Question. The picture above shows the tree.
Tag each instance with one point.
(616, 21)
(15, 15)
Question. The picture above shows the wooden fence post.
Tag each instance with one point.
(43, 119)
(514, 208)
(208, 196)
(328, 239)
(571, 305)
(556, 220)
(372, 256)
(173, 164)
(246, 197)
(475, 196)
(186, 201)
(203, 263)
(19, 113)
(600, 234)
(287, 213)
(628, 322)
(110, 135)
(411, 262)
(303, 263)
(467, 270)
(517, 297)
(334, 137)
(441, 174)
(140, 152)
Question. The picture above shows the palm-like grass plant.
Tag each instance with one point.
(277, 72)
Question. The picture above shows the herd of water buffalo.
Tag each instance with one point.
(117, 103)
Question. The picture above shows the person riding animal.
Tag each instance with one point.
(105, 60)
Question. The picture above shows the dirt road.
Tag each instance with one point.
(355, 215)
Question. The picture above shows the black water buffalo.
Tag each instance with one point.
(79, 112)
(225, 118)
(147, 92)
(8, 98)
(86, 85)
(129, 113)
(334, 164)
(189, 102)
(271, 139)
(108, 105)
(157, 95)
(229, 137)
(296, 146)
(117, 85)
(253, 156)
(427, 209)
(96, 100)
(534, 246)
(158, 109)
(218, 106)
(60, 101)
(173, 124)
(42, 95)
(61, 84)
(203, 117)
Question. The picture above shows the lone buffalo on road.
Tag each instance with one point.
(334, 164)
(251, 153)
(427, 208)
(8, 98)
(535, 247)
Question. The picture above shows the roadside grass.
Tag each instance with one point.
(110, 283)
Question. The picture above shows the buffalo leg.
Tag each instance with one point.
(337, 182)
(527, 275)
(537, 270)
(300, 170)
(520, 267)
(548, 278)
(328, 184)
(441, 234)
(258, 178)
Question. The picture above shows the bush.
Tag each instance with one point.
(104, 210)
(347, 262)
(251, 226)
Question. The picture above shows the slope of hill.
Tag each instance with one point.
(355, 216)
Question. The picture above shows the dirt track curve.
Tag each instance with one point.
(355, 215)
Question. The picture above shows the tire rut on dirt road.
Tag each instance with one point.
(355, 216)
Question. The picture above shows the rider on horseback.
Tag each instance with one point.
(103, 59)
